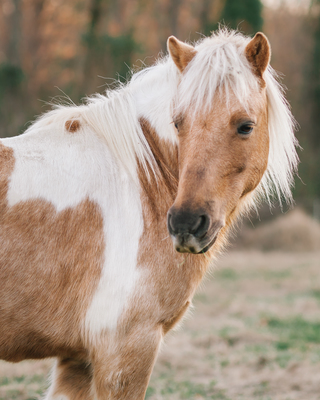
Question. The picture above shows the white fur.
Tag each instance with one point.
(66, 168)
(50, 392)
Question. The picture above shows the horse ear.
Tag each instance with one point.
(258, 53)
(180, 52)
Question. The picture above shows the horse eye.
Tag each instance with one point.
(176, 126)
(245, 129)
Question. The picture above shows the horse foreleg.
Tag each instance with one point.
(71, 380)
(122, 368)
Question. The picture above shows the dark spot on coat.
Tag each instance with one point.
(72, 125)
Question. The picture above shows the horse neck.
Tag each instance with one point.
(160, 185)
(159, 189)
(158, 192)
(153, 91)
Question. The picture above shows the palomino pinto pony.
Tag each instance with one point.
(88, 194)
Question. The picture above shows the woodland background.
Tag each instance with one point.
(50, 49)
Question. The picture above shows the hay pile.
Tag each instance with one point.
(295, 231)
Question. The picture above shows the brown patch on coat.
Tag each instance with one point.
(123, 365)
(258, 54)
(181, 53)
(73, 379)
(166, 158)
(50, 265)
(72, 125)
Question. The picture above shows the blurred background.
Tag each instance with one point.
(255, 333)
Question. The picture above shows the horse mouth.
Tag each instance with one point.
(209, 245)
(189, 244)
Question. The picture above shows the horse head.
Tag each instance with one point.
(223, 137)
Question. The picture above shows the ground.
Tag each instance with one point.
(254, 333)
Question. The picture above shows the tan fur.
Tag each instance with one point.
(217, 169)
(258, 53)
(217, 165)
(50, 264)
(170, 323)
(180, 52)
(72, 125)
(123, 365)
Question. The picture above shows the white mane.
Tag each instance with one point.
(114, 117)
(152, 93)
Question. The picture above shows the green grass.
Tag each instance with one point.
(315, 293)
(22, 387)
(282, 274)
(226, 274)
(201, 297)
(229, 334)
(295, 331)
(168, 388)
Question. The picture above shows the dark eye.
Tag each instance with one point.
(176, 126)
(245, 129)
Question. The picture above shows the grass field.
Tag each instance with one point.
(254, 333)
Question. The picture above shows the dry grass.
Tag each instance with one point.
(295, 231)
(254, 334)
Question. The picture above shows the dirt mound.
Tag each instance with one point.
(295, 231)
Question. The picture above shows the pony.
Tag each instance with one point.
(111, 211)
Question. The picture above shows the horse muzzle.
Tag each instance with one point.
(192, 232)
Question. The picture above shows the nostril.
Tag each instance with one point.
(201, 227)
(197, 225)
(181, 222)
(169, 223)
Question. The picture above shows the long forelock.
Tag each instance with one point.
(220, 65)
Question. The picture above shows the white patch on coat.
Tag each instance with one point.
(65, 169)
